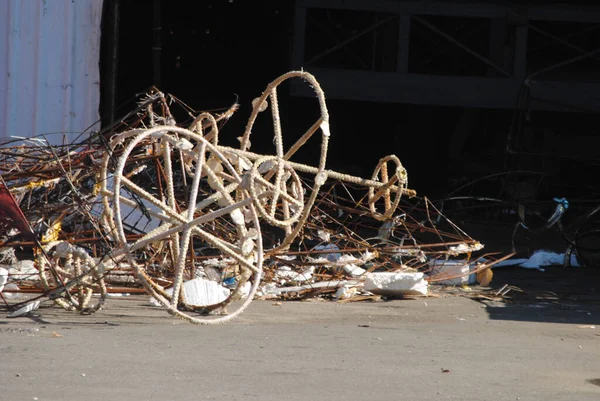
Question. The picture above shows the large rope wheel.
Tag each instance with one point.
(277, 206)
(191, 197)
(105, 177)
(66, 266)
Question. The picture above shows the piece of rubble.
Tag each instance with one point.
(540, 259)
(354, 270)
(285, 273)
(200, 292)
(464, 248)
(346, 292)
(24, 270)
(451, 272)
(28, 307)
(3, 277)
(7, 256)
(351, 265)
(11, 291)
(396, 284)
(334, 284)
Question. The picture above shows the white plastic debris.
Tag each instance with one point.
(269, 290)
(346, 291)
(324, 235)
(285, 273)
(30, 306)
(320, 260)
(7, 255)
(455, 271)
(236, 160)
(11, 291)
(116, 294)
(350, 264)
(221, 262)
(183, 144)
(134, 219)
(24, 270)
(3, 277)
(354, 270)
(200, 292)
(237, 216)
(416, 252)
(245, 290)
(348, 259)
(539, 259)
(390, 283)
(321, 284)
(386, 230)
(464, 248)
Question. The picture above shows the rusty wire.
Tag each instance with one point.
(58, 190)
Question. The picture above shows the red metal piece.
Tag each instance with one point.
(11, 215)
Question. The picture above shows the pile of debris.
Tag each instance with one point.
(203, 228)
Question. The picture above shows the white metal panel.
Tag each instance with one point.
(49, 68)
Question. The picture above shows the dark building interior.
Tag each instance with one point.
(457, 91)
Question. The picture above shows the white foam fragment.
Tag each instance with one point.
(346, 258)
(455, 272)
(11, 291)
(25, 309)
(346, 291)
(286, 273)
(354, 270)
(200, 292)
(3, 277)
(390, 284)
(214, 262)
(464, 248)
(324, 235)
(320, 284)
(268, 290)
(24, 270)
(539, 259)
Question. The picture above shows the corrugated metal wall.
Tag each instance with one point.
(49, 67)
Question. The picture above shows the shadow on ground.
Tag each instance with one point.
(555, 295)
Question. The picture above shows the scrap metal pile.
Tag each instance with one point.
(204, 228)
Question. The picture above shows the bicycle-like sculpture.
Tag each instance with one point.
(208, 200)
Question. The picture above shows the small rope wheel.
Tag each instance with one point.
(277, 191)
(70, 266)
(196, 219)
(396, 183)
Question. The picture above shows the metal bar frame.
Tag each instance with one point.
(499, 88)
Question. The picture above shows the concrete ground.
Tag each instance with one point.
(541, 344)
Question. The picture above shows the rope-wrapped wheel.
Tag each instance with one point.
(394, 181)
(192, 193)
